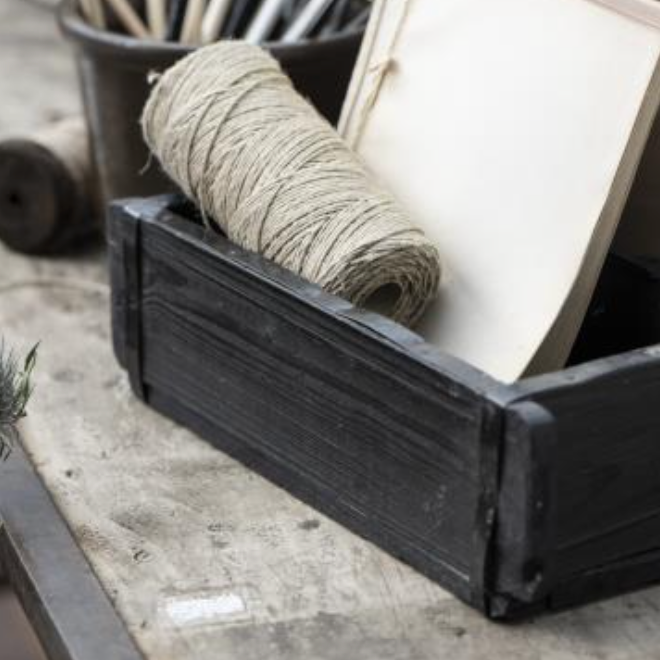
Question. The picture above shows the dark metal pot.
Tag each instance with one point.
(113, 71)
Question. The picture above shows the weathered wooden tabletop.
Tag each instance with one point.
(202, 558)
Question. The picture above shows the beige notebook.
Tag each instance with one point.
(511, 130)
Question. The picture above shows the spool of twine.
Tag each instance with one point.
(47, 188)
(230, 130)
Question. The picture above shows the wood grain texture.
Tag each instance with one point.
(601, 476)
(323, 400)
(127, 481)
(518, 499)
(170, 524)
(578, 497)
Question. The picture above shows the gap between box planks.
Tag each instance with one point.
(518, 499)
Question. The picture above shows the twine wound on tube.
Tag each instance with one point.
(230, 130)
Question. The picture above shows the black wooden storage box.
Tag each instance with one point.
(518, 499)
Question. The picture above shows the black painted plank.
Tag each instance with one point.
(525, 531)
(607, 459)
(598, 487)
(350, 412)
(392, 453)
(584, 439)
(409, 447)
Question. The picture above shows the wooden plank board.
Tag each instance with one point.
(331, 409)
(360, 418)
(601, 466)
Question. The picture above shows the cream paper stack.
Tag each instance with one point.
(511, 131)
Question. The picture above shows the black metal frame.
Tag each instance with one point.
(39, 558)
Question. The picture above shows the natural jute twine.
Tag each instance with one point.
(229, 129)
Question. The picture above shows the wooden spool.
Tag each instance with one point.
(46, 189)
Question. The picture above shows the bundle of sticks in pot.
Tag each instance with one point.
(201, 22)
(119, 43)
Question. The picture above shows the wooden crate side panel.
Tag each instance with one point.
(605, 492)
(350, 423)
(630, 574)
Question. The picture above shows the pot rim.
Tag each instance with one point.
(104, 41)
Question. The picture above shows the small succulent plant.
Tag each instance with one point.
(15, 392)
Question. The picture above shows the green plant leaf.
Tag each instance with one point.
(15, 392)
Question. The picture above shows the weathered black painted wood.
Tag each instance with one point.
(525, 512)
(579, 513)
(598, 490)
(40, 559)
(348, 411)
(518, 499)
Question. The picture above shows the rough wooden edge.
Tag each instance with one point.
(484, 562)
(70, 612)
(580, 375)
(524, 575)
(529, 576)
